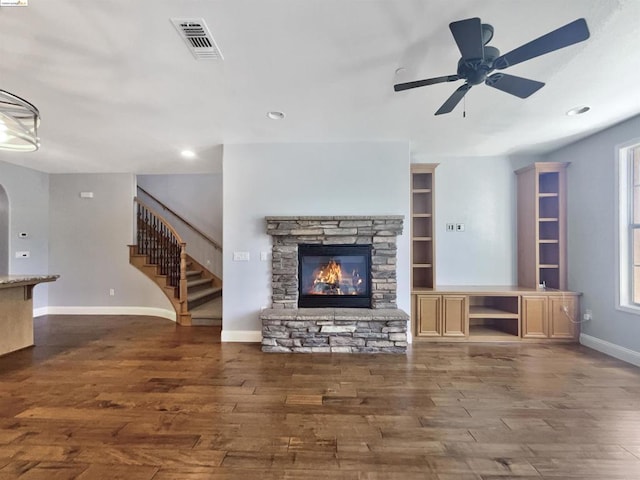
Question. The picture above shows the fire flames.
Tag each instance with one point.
(330, 274)
(329, 280)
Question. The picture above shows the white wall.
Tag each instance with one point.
(88, 248)
(592, 224)
(198, 198)
(480, 193)
(302, 179)
(28, 194)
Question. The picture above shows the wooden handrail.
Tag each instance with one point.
(161, 218)
(215, 244)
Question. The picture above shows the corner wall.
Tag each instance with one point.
(88, 248)
(592, 225)
(28, 194)
(302, 179)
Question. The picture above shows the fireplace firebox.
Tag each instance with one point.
(334, 276)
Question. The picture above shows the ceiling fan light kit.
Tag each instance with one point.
(478, 60)
(19, 121)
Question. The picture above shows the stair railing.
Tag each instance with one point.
(164, 247)
(202, 247)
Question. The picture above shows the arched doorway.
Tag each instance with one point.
(4, 232)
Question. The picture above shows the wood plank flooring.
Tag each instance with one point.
(137, 398)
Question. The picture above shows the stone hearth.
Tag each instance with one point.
(380, 329)
(336, 330)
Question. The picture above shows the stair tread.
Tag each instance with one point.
(203, 293)
(199, 281)
(211, 310)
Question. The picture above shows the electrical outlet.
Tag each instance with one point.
(264, 256)
(460, 227)
(112, 292)
(588, 315)
(451, 227)
(23, 254)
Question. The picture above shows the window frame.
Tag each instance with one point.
(625, 284)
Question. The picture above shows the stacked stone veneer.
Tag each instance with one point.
(335, 330)
(380, 329)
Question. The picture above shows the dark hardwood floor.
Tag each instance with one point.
(138, 398)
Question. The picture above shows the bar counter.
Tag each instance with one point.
(16, 310)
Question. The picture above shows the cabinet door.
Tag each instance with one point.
(562, 311)
(429, 309)
(534, 317)
(454, 316)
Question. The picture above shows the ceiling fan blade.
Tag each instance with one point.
(571, 33)
(421, 83)
(468, 36)
(518, 86)
(454, 99)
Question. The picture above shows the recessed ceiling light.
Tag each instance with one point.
(274, 115)
(578, 110)
(188, 153)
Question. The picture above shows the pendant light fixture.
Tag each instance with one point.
(19, 121)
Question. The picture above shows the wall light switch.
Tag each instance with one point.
(241, 256)
(86, 194)
(450, 227)
(460, 227)
(264, 256)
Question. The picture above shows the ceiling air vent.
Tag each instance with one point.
(198, 38)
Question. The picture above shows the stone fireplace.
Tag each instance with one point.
(334, 285)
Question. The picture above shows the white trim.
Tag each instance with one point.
(145, 311)
(622, 251)
(38, 312)
(611, 349)
(245, 336)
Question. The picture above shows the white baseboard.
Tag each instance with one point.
(146, 311)
(244, 336)
(611, 349)
(38, 312)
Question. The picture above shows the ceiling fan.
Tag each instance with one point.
(479, 60)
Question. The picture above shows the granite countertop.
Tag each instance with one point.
(7, 281)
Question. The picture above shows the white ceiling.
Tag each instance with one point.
(119, 91)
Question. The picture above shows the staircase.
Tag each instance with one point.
(204, 295)
(161, 255)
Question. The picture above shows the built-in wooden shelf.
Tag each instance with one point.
(542, 211)
(422, 225)
(476, 311)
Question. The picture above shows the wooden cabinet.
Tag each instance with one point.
(441, 316)
(495, 314)
(422, 225)
(534, 317)
(542, 246)
(429, 313)
(563, 313)
(551, 316)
